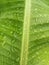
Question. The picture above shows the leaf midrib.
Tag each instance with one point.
(25, 37)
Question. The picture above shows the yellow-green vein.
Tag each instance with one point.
(25, 37)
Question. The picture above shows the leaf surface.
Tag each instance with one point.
(24, 32)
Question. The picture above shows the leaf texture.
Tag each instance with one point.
(39, 33)
(11, 25)
(24, 32)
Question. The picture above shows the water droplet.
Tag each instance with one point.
(3, 43)
(37, 53)
(17, 59)
(38, 57)
(35, 8)
(40, 15)
(4, 37)
(35, 30)
(33, 56)
(16, 25)
(43, 60)
(45, 52)
(48, 61)
(3, 25)
(12, 50)
(38, 47)
(45, 15)
(11, 32)
(14, 35)
(20, 33)
(13, 41)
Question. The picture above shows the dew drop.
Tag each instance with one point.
(11, 32)
(3, 25)
(17, 60)
(37, 53)
(35, 8)
(33, 56)
(13, 41)
(38, 57)
(14, 35)
(43, 60)
(4, 37)
(12, 50)
(20, 33)
(3, 43)
(45, 52)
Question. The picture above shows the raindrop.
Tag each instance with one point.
(45, 15)
(45, 52)
(43, 60)
(14, 35)
(4, 37)
(13, 41)
(33, 56)
(38, 57)
(20, 33)
(37, 53)
(17, 60)
(12, 50)
(11, 32)
(3, 43)
(35, 8)
(40, 15)
(3, 25)
(35, 30)
(48, 61)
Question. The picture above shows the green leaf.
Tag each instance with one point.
(24, 32)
